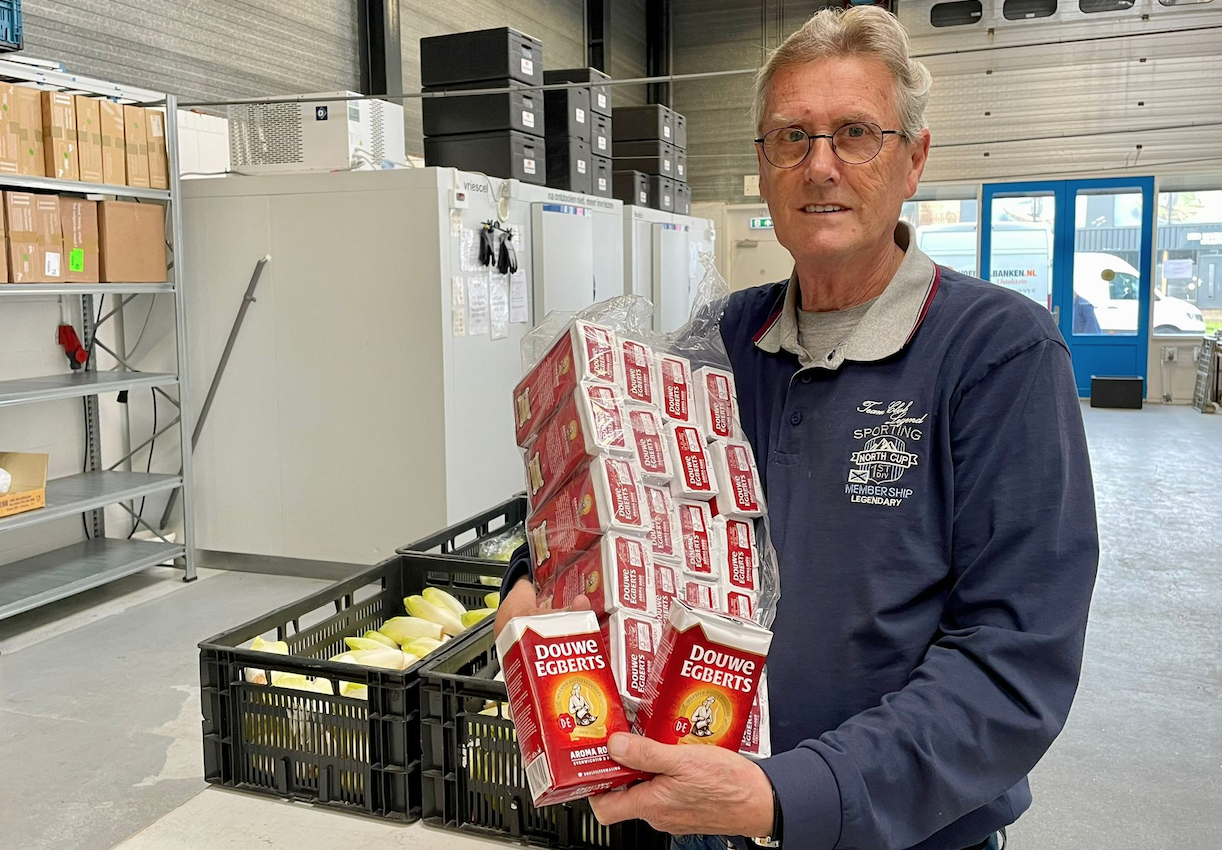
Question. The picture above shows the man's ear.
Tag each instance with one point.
(763, 166)
(918, 156)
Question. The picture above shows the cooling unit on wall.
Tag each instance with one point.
(315, 132)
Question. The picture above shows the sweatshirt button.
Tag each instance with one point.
(806, 378)
(795, 418)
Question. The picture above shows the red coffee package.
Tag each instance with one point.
(700, 593)
(738, 480)
(734, 551)
(675, 388)
(693, 475)
(757, 739)
(639, 371)
(716, 400)
(647, 439)
(696, 537)
(632, 641)
(666, 587)
(602, 496)
(739, 603)
(584, 352)
(589, 423)
(664, 537)
(616, 574)
(703, 681)
(565, 705)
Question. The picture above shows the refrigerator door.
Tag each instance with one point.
(562, 236)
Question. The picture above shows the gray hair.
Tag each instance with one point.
(858, 31)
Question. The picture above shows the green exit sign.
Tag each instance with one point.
(761, 224)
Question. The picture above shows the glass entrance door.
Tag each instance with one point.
(1082, 249)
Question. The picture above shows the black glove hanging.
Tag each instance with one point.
(507, 262)
(487, 250)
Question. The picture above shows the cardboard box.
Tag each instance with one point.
(159, 163)
(10, 138)
(132, 239)
(79, 224)
(29, 132)
(89, 138)
(35, 240)
(28, 491)
(135, 136)
(4, 278)
(114, 146)
(59, 135)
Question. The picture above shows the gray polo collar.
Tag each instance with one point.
(886, 328)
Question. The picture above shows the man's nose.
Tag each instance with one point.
(822, 165)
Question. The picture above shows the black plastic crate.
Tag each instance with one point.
(567, 114)
(680, 165)
(600, 95)
(600, 182)
(362, 756)
(652, 156)
(661, 193)
(680, 124)
(491, 54)
(501, 153)
(568, 164)
(600, 135)
(462, 539)
(683, 198)
(642, 123)
(482, 113)
(631, 187)
(472, 767)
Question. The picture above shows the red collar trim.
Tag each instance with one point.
(933, 290)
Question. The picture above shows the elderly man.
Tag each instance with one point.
(920, 441)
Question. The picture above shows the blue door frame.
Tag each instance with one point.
(1095, 354)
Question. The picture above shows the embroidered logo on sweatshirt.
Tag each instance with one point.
(887, 451)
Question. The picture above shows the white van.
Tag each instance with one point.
(1021, 254)
(1111, 286)
(1021, 260)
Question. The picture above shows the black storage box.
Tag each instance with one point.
(683, 198)
(568, 164)
(504, 153)
(639, 123)
(600, 134)
(493, 54)
(662, 193)
(568, 113)
(600, 180)
(680, 164)
(484, 113)
(680, 140)
(652, 157)
(1120, 391)
(600, 96)
(631, 187)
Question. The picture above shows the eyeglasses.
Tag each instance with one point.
(855, 144)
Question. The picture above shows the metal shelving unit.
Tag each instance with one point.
(62, 572)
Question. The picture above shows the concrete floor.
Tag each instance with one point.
(99, 696)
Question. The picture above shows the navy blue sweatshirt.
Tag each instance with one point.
(932, 509)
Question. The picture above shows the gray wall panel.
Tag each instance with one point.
(201, 50)
(1080, 83)
(627, 49)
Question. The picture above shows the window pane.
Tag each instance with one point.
(1089, 6)
(946, 231)
(1107, 250)
(1022, 245)
(956, 14)
(1188, 263)
(1018, 10)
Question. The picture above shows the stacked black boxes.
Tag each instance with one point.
(498, 134)
(649, 144)
(579, 131)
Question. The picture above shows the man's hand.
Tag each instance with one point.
(520, 602)
(697, 789)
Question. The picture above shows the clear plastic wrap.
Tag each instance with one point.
(685, 375)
